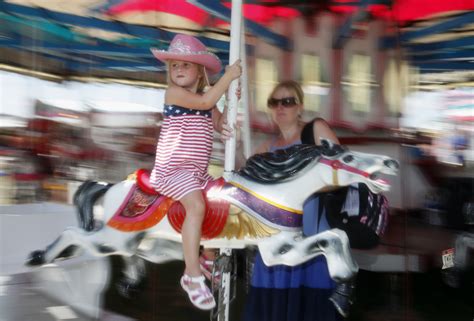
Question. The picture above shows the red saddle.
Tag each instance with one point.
(143, 182)
(216, 214)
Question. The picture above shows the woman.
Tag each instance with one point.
(285, 104)
(301, 292)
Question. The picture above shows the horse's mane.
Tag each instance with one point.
(284, 163)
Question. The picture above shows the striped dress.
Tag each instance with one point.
(183, 151)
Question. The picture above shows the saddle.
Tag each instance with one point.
(144, 207)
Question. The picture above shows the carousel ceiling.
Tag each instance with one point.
(111, 38)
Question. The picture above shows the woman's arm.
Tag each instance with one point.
(321, 129)
(219, 119)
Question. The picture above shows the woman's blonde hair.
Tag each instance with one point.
(203, 81)
(292, 86)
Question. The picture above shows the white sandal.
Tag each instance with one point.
(200, 294)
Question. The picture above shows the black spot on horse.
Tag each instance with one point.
(285, 248)
(105, 249)
(35, 258)
(317, 246)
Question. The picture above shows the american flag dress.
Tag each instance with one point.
(183, 151)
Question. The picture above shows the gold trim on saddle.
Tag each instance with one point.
(240, 225)
(132, 176)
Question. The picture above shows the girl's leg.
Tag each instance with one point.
(193, 281)
(191, 232)
(207, 260)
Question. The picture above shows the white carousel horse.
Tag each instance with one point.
(259, 205)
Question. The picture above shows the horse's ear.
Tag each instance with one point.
(326, 143)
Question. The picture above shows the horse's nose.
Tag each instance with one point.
(391, 163)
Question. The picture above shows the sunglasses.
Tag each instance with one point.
(286, 102)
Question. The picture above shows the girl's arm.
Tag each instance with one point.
(176, 95)
(321, 129)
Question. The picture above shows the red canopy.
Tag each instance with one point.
(404, 11)
(177, 7)
(401, 11)
(257, 13)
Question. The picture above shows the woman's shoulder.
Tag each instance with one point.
(307, 136)
(309, 129)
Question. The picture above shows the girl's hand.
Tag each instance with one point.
(234, 70)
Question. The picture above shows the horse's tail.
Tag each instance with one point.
(84, 199)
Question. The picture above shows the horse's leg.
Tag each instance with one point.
(336, 248)
(134, 273)
(293, 249)
(93, 242)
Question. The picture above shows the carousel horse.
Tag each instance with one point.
(261, 205)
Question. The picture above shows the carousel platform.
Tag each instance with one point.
(396, 283)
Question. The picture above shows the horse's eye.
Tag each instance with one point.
(348, 158)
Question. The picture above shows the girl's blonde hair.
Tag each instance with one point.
(292, 86)
(203, 81)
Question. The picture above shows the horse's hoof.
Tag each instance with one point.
(343, 297)
(35, 258)
(342, 303)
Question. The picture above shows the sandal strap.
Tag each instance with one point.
(205, 260)
(194, 279)
(208, 262)
(200, 294)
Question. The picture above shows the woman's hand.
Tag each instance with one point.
(238, 93)
(234, 70)
(227, 132)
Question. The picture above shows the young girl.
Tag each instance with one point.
(185, 144)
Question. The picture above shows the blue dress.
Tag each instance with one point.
(300, 293)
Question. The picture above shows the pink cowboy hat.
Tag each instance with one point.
(189, 48)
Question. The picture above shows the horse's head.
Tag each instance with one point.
(350, 167)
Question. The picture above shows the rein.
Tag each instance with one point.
(336, 165)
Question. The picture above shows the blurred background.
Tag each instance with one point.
(81, 97)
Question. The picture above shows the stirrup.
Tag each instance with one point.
(200, 294)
